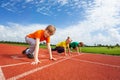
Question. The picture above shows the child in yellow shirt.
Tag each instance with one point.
(63, 46)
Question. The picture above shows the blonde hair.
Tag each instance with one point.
(51, 29)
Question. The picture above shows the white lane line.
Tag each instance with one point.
(38, 69)
(103, 64)
(15, 64)
(17, 57)
(25, 63)
(34, 70)
(2, 77)
(18, 64)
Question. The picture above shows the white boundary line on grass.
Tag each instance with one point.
(2, 77)
(98, 63)
(38, 69)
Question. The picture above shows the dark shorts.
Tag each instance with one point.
(59, 49)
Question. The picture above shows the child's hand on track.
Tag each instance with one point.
(54, 59)
(79, 53)
(66, 54)
(36, 62)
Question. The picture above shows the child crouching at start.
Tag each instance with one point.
(34, 40)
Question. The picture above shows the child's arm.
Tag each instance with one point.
(77, 48)
(68, 49)
(65, 51)
(36, 60)
(80, 49)
(50, 52)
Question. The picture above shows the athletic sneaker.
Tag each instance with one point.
(30, 56)
(24, 51)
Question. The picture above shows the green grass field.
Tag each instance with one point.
(96, 50)
(102, 50)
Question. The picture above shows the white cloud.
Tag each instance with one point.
(102, 16)
(115, 34)
(9, 6)
(63, 2)
(29, 1)
(17, 32)
(44, 7)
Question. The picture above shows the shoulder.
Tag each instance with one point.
(62, 42)
(75, 42)
(72, 42)
(39, 31)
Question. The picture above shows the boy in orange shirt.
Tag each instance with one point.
(34, 40)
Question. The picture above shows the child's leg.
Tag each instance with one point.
(60, 49)
(30, 41)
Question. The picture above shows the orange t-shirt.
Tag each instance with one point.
(39, 34)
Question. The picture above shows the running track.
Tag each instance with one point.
(15, 66)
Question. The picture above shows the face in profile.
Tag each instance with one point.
(47, 33)
(81, 44)
(68, 41)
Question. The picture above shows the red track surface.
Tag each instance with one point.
(15, 66)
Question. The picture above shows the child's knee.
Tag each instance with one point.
(33, 43)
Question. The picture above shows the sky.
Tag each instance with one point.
(90, 21)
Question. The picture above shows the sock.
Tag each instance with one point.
(27, 51)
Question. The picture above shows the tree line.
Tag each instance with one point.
(43, 43)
